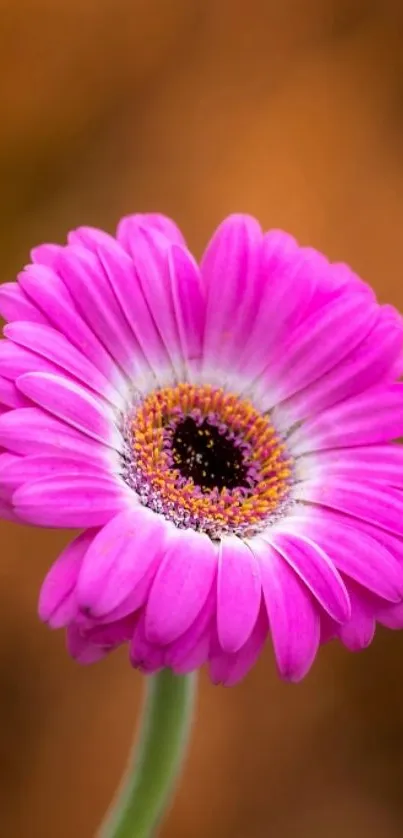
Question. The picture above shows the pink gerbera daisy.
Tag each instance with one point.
(225, 436)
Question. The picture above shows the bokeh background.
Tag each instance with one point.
(291, 110)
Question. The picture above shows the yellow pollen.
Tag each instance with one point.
(157, 465)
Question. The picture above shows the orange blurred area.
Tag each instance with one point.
(292, 111)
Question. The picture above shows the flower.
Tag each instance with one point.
(224, 436)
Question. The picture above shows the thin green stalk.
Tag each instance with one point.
(157, 758)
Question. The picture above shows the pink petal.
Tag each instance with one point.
(16, 361)
(354, 553)
(238, 593)
(314, 567)
(151, 263)
(336, 328)
(85, 279)
(284, 284)
(84, 651)
(128, 229)
(373, 503)
(7, 513)
(293, 616)
(30, 430)
(15, 305)
(18, 470)
(48, 343)
(72, 403)
(6, 486)
(71, 501)
(328, 628)
(229, 669)
(366, 365)
(359, 631)
(47, 254)
(391, 616)
(151, 283)
(373, 417)
(124, 280)
(7, 460)
(373, 463)
(91, 238)
(148, 305)
(181, 586)
(346, 280)
(190, 651)
(10, 395)
(51, 295)
(144, 655)
(57, 601)
(242, 661)
(189, 305)
(119, 558)
(219, 661)
(196, 657)
(113, 634)
(227, 268)
(391, 542)
(137, 597)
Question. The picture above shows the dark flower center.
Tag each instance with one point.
(207, 455)
(206, 459)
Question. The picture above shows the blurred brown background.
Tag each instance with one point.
(289, 109)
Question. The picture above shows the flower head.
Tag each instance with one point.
(223, 434)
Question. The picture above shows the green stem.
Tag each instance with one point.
(157, 760)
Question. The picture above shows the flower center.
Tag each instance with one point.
(206, 459)
(208, 455)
